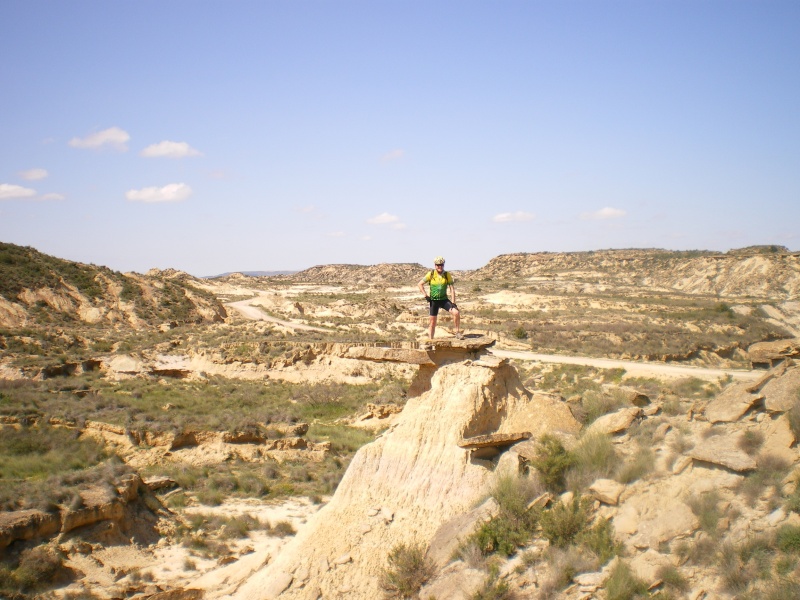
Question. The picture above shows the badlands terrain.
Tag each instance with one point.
(616, 424)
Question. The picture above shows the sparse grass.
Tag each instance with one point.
(750, 441)
(622, 583)
(36, 569)
(407, 570)
(564, 563)
(743, 565)
(673, 579)
(593, 457)
(706, 509)
(769, 473)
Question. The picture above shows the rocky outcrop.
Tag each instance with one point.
(99, 503)
(769, 354)
(405, 485)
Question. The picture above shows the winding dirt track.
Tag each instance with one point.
(249, 311)
(637, 369)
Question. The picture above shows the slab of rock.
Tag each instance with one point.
(411, 356)
(277, 585)
(781, 393)
(779, 439)
(722, 450)
(125, 364)
(456, 582)
(607, 491)
(453, 532)
(732, 403)
(494, 440)
(647, 565)
(674, 521)
(629, 394)
(616, 421)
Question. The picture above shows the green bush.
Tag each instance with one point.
(408, 569)
(552, 461)
(600, 540)
(562, 524)
(514, 524)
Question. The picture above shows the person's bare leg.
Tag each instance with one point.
(457, 319)
(432, 327)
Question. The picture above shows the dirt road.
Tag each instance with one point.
(636, 369)
(249, 311)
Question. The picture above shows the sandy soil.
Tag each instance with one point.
(632, 368)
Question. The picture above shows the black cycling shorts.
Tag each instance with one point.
(437, 304)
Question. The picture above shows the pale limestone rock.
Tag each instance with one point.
(455, 582)
(416, 472)
(615, 422)
(779, 439)
(680, 464)
(343, 559)
(782, 392)
(126, 364)
(722, 450)
(675, 521)
(647, 564)
(452, 533)
(589, 580)
(732, 403)
(607, 490)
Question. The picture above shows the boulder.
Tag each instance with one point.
(456, 582)
(607, 491)
(454, 532)
(732, 403)
(615, 422)
(783, 392)
(723, 450)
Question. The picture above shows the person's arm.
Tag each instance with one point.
(422, 288)
(453, 292)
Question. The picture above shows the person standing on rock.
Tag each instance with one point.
(438, 281)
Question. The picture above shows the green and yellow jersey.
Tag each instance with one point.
(439, 284)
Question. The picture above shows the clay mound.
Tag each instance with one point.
(405, 485)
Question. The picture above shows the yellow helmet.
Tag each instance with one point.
(438, 260)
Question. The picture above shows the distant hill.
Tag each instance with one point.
(385, 273)
(38, 289)
(757, 271)
(249, 274)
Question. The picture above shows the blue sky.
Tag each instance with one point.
(266, 135)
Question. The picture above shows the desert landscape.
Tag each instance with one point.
(614, 424)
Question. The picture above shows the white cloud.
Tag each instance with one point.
(393, 221)
(518, 216)
(395, 154)
(604, 213)
(33, 174)
(174, 192)
(337, 234)
(113, 136)
(9, 191)
(167, 149)
(53, 196)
